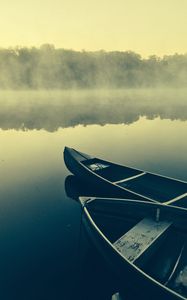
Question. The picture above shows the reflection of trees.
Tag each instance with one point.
(50, 68)
(49, 111)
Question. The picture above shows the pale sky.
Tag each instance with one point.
(144, 26)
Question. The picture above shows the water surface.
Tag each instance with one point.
(42, 255)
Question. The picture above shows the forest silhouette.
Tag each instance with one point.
(50, 68)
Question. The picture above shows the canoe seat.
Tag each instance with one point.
(141, 241)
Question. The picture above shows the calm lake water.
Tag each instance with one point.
(43, 253)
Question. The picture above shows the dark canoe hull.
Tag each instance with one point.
(131, 281)
(73, 160)
(138, 185)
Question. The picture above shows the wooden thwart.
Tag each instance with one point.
(142, 240)
(129, 178)
(176, 199)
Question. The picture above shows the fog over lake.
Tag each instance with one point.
(52, 109)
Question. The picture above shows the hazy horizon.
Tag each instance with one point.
(83, 50)
(147, 27)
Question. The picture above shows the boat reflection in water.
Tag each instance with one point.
(75, 187)
(99, 282)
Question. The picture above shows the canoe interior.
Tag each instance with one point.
(111, 172)
(168, 264)
(158, 188)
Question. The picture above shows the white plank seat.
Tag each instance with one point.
(141, 241)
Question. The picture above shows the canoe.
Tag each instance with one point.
(125, 182)
(145, 245)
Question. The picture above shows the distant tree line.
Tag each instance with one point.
(50, 68)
